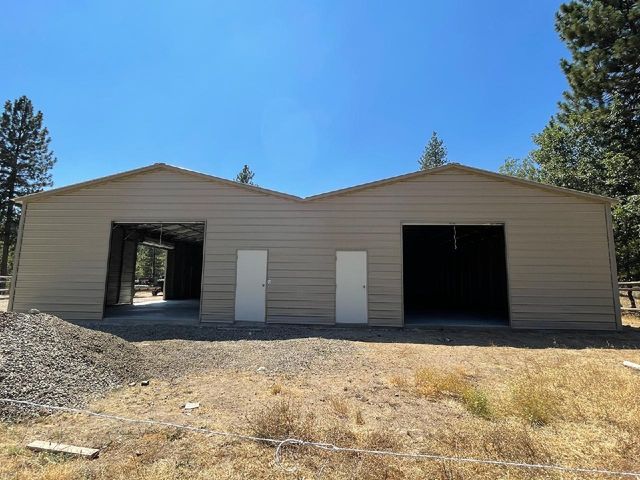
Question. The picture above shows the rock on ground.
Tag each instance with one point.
(47, 360)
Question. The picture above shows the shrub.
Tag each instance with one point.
(282, 419)
(534, 400)
(476, 402)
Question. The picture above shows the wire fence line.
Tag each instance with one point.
(281, 443)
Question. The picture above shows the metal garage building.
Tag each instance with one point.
(453, 245)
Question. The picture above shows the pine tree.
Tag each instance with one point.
(25, 164)
(434, 154)
(603, 37)
(245, 176)
(150, 262)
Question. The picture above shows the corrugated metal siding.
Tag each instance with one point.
(113, 269)
(558, 251)
(128, 271)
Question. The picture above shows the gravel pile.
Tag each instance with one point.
(47, 360)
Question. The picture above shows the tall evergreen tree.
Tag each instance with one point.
(434, 154)
(25, 164)
(245, 176)
(150, 262)
(603, 37)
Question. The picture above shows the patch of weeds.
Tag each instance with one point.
(477, 402)
(382, 440)
(433, 383)
(400, 382)
(186, 464)
(53, 458)
(359, 417)
(15, 451)
(283, 419)
(59, 471)
(379, 468)
(339, 406)
(275, 389)
(340, 435)
(174, 434)
(534, 400)
(372, 467)
(512, 442)
(447, 471)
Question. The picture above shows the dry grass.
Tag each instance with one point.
(476, 401)
(456, 384)
(359, 417)
(436, 383)
(340, 406)
(275, 389)
(631, 320)
(283, 419)
(570, 406)
(534, 398)
(542, 396)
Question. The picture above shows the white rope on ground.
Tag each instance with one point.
(327, 446)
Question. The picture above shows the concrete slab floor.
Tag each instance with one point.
(444, 318)
(165, 312)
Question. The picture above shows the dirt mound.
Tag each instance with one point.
(47, 360)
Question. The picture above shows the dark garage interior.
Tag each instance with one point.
(455, 275)
(180, 299)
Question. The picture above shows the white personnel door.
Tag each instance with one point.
(251, 281)
(351, 287)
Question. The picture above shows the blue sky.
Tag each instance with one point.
(312, 95)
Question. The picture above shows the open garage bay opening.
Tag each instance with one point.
(455, 275)
(154, 272)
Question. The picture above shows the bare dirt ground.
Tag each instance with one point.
(142, 296)
(629, 318)
(540, 397)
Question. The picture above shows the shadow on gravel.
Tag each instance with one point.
(628, 338)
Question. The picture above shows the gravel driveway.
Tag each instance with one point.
(172, 351)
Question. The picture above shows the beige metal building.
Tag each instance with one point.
(449, 246)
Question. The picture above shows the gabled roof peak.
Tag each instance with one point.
(342, 191)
